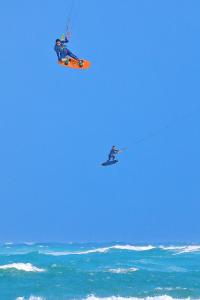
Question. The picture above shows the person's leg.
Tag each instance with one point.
(113, 157)
(65, 59)
(69, 53)
(109, 157)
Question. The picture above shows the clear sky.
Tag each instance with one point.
(57, 125)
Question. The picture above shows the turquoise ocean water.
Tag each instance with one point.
(99, 271)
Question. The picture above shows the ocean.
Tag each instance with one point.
(114, 271)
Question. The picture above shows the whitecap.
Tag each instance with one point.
(101, 250)
(122, 270)
(172, 247)
(61, 253)
(189, 249)
(182, 249)
(27, 267)
(133, 248)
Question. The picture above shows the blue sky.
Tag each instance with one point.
(57, 124)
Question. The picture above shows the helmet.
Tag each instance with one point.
(58, 40)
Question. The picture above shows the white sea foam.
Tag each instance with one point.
(172, 247)
(101, 250)
(163, 297)
(182, 249)
(133, 248)
(122, 270)
(188, 249)
(27, 267)
(61, 253)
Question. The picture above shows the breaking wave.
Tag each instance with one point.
(22, 267)
(182, 249)
(176, 249)
(60, 253)
(101, 250)
(133, 248)
(189, 249)
(172, 247)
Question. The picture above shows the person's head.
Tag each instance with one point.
(58, 42)
(113, 147)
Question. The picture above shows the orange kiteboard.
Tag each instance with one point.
(72, 63)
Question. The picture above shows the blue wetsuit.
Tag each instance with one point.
(112, 154)
(62, 51)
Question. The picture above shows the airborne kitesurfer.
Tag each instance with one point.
(113, 153)
(63, 52)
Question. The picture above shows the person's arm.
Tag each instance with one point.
(58, 53)
(65, 41)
